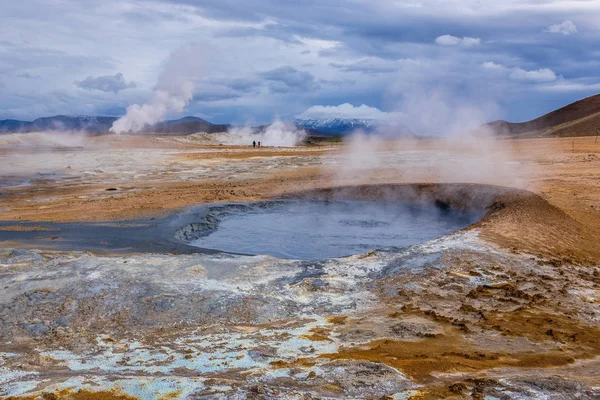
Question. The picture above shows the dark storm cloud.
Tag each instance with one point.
(105, 83)
(269, 31)
(215, 96)
(260, 51)
(385, 20)
(243, 85)
(220, 89)
(287, 78)
(27, 75)
(367, 67)
(16, 57)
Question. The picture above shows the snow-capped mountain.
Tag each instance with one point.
(339, 126)
(343, 126)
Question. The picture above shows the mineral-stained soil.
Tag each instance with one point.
(507, 308)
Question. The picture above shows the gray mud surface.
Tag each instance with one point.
(320, 229)
(314, 229)
(159, 235)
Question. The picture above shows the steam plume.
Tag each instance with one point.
(459, 147)
(278, 134)
(174, 90)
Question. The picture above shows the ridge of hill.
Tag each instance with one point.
(581, 118)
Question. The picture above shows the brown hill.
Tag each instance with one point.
(581, 118)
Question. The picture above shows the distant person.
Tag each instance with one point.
(254, 143)
(258, 144)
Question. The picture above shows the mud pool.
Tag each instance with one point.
(313, 230)
(294, 229)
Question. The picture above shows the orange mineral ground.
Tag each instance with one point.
(506, 307)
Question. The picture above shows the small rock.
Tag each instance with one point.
(37, 330)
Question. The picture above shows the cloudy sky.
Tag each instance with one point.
(252, 60)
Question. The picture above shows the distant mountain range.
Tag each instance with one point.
(581, 118)
(186, 125)
(59, 123)
(182, 126)
(101, 125)
(344, 126)
(92, 124)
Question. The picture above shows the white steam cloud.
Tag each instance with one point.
(459, 148)
(173, 92)
(278, 134)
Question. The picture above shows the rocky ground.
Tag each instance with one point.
(506, 309)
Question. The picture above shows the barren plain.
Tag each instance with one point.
(506, 308)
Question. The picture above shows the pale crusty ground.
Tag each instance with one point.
(461, 331)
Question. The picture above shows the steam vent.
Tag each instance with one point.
(299, 200)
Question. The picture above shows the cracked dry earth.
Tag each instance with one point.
(489, 312)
